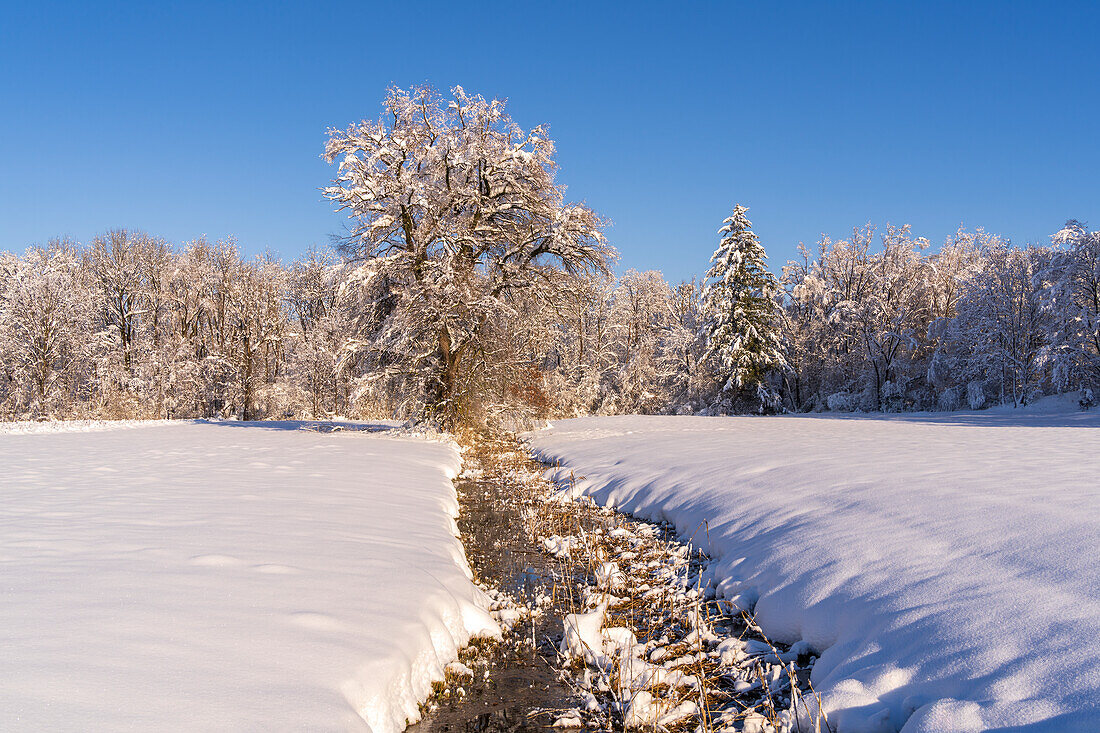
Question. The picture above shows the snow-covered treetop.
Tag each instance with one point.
(1071, 232)
(739, 253)
(435, 179)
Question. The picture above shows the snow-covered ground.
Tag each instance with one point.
(946, 566)
(24, 427)
(227, 576)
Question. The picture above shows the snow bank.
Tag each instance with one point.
(227, 577)
(24, 427)
(945, 566)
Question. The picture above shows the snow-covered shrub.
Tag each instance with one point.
(975, 394)
(949, 399)
(893, 396)
(841, 402)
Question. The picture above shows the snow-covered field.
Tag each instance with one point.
(946, 566)
(227, 576)
(25, 427)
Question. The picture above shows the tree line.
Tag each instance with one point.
(469, 289)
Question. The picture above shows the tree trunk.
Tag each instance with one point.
(442, 401)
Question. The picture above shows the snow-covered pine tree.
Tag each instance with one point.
(742, 333)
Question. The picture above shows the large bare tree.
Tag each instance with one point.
(458, 206)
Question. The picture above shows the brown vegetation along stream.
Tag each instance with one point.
(613, 622)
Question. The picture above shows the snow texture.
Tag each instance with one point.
(24, 427)
(943, 566)
(228, 576)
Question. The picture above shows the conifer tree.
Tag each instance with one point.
(742, 332)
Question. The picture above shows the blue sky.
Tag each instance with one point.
(191, 118)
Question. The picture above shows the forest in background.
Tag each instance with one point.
(470, 290)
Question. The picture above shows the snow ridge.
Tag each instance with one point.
(229, 576)
(35, 427)
(944, 570)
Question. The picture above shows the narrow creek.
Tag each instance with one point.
(613, 622)
(516, 684)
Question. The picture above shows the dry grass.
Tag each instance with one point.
(664, 600)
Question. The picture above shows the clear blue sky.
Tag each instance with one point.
(190, 118)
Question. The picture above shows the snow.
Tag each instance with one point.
(943, 565)
(582, 635)
(228, 576)
(616, 649)
(644, 711)
(23, 427)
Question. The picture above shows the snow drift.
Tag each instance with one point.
(945, 566)
(227, 576)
